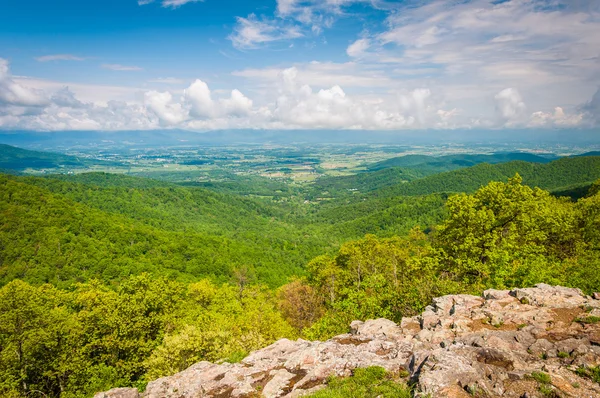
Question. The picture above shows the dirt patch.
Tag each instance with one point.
(522, 388)
(480, 324)
(224, 392)
(383, 351)
(566, 315)
(455, 392)
(298, 375)
(261, 379)
(351, 341)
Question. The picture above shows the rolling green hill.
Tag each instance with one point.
(408, 168)
(13, 158)
(63, 229)
(561, 173)
(455, 161)
(74, 228)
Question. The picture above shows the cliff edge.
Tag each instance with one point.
(531, 342)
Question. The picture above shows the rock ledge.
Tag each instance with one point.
(460, 346)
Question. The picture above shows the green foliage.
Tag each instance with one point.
(218, 323)
(63, 233)
(374, 278)
(504, 235)
(590, 372)
(564, 172)
(369, 383)
(76, 343)
(149, 277)
(589, 320)
(541, 377)
(507, 235)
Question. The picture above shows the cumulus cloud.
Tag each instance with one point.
(558, 118)
(199, 96)
(66, 98)
(12, 93)
(509, 105)
(300, 106)
(238, 104)
(162, 105)
(293, 102)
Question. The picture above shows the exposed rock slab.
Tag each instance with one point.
(460, 345)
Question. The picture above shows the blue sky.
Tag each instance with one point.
(313, 64)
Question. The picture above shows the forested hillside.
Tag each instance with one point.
(62, 233)
(450, 162)
(91, 337)
(557, 174)
(456, 174)
(13, 158)
(111, 280)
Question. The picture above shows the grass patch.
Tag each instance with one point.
(592, 373)
(541, 377)
(545, 384)
(562, 354)
(369, 383)
(589, 320)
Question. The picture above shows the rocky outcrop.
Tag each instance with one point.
(460, 346)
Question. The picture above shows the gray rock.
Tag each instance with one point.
(459, 344)
(119, 393)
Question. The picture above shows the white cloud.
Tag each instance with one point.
(325, 74)
(293, 19)
(162, 105)
(167, 80)
(238, 104)
(558, 118)
(548, 49)
(95, 93)
(358, 48)
(12, 93)
(66, 98)
(510, 105)
(59, 57)
(305, 96)
(169, 3)
(119, 67)
(251, 32)
(200, 99)
(299, 106)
